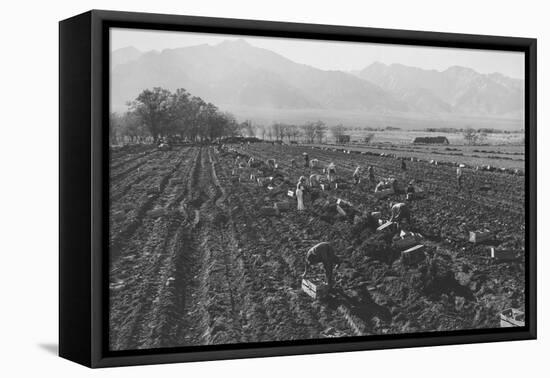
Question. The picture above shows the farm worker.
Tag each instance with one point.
(250, 161)
(314, 179)
(459, 177)
(403, 165)
(399, 212)
(410, 187)
(293, 163)
(322, 253)
(314, 163)
(382, 185)
(371, 173)
(306, 160)
(357, 175)
(331, 172)
(300, 189)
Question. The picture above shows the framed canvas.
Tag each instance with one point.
(235, 188)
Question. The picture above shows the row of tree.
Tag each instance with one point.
(159, 113)
(309, 132)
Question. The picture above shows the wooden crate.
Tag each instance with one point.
(315, 288)
(342, 202)
(388, 226)
(414, 255)
(512, 318)
(479, 236)
(405, 243)
(502, 254)
(384, 193)
(340, 211)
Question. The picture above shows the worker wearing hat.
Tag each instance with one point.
(306, 160)
(322, 253)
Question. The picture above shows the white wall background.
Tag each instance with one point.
(29, 189)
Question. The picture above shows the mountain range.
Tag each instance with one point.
(235, 75)
(456, 89)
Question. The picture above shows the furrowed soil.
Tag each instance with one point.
(196, 260)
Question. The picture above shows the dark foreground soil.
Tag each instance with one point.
(194, 260)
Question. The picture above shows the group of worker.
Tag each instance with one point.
(323, 253)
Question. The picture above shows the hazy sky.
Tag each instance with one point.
(330, 55)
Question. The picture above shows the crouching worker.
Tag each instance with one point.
(314, 180)
(322, 253)
(399, 212)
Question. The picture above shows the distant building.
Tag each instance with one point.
(343, 139)
(431, 140)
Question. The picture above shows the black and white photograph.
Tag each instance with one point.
(268, 189)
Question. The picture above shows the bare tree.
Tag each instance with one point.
(320, 131)
(276, 129)
(309, 131)
(249, 129)
(279, 130)
(338, 131)
(263, 132)
(295, 132)
(289, 131)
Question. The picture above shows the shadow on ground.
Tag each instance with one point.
(51, 348)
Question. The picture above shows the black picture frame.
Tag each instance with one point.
(83, 181)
